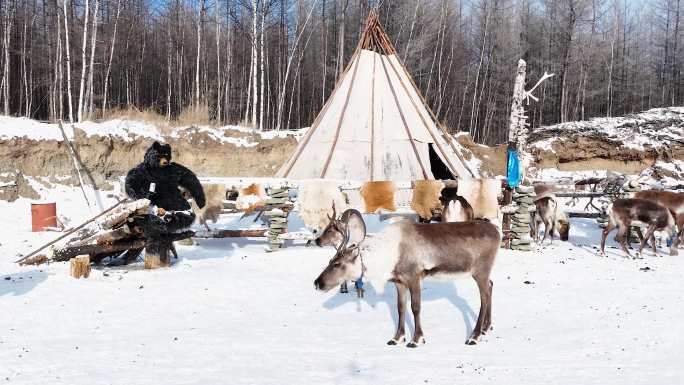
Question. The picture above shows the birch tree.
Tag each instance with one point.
(83, 62)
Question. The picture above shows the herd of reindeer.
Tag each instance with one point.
(406, 252)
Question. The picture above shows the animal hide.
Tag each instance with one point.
(379, 195)
(250, 198)
(315, 200)
(215, 195)
(426, 195)
(482, 194)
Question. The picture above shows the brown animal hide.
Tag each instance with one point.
(482, 194)
(250, 198)
(379, 195)
(426, 195)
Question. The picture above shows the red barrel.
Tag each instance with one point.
(43, 215)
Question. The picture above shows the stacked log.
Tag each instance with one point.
(523, 197)
(277, 216)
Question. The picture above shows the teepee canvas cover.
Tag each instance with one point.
(375, 125)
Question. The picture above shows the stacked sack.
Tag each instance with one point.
(523, 197)
(277, 217)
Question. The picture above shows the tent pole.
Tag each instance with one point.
(339, 122)
(403, 118)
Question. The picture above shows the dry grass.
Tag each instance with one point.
(147, 115)
(197, 114)
(191, 115)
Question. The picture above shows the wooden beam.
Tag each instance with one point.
(243, 233)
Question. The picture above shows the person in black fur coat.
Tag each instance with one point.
(158, 179)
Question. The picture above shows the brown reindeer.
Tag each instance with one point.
(457, 209)
(407, 252)
(672, 201)
(351, 222)
(547, 212)
(623, 213)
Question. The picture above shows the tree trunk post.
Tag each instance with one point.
(80, 266)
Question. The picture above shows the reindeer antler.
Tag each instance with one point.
(345, 240)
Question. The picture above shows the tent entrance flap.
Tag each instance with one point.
(437, 166)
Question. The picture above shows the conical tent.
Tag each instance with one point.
(375, 125)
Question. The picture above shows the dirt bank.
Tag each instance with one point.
(108, 158)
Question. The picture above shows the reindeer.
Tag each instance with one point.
(350, 222)
(547, 213)
(623, 212)
(455, 207)
(672, 201)
(407, 252)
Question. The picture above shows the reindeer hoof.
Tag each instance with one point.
(471, 341)
(394, 341)
(414, 344)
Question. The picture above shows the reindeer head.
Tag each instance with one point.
(345, 265)
(453, 212)
(334, 232)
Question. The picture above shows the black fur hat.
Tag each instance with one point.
(156, 152)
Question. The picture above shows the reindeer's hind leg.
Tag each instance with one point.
(414, 288)
(401, 308)
(488, 315)
(547, 231)
(649, 235)
(485, 303)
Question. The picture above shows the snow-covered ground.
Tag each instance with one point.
(127, 130)
(654, 128)
(229, 313)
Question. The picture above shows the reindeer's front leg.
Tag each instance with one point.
(622, 238)
(606, 231)
(401, 309)
(414, 288)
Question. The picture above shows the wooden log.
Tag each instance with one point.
(579, 194)
(120, 215)
(583, 215)
(152, 261)
(34, 252)
(80, 266)
(66, 253)
(243, 233)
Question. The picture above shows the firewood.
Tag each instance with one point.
(80, 266)
(152, 261)
(120, 215)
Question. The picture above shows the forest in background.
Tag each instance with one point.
(271, 64)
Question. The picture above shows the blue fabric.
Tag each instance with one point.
(513, 171)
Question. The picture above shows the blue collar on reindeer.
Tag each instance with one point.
(358, 284)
